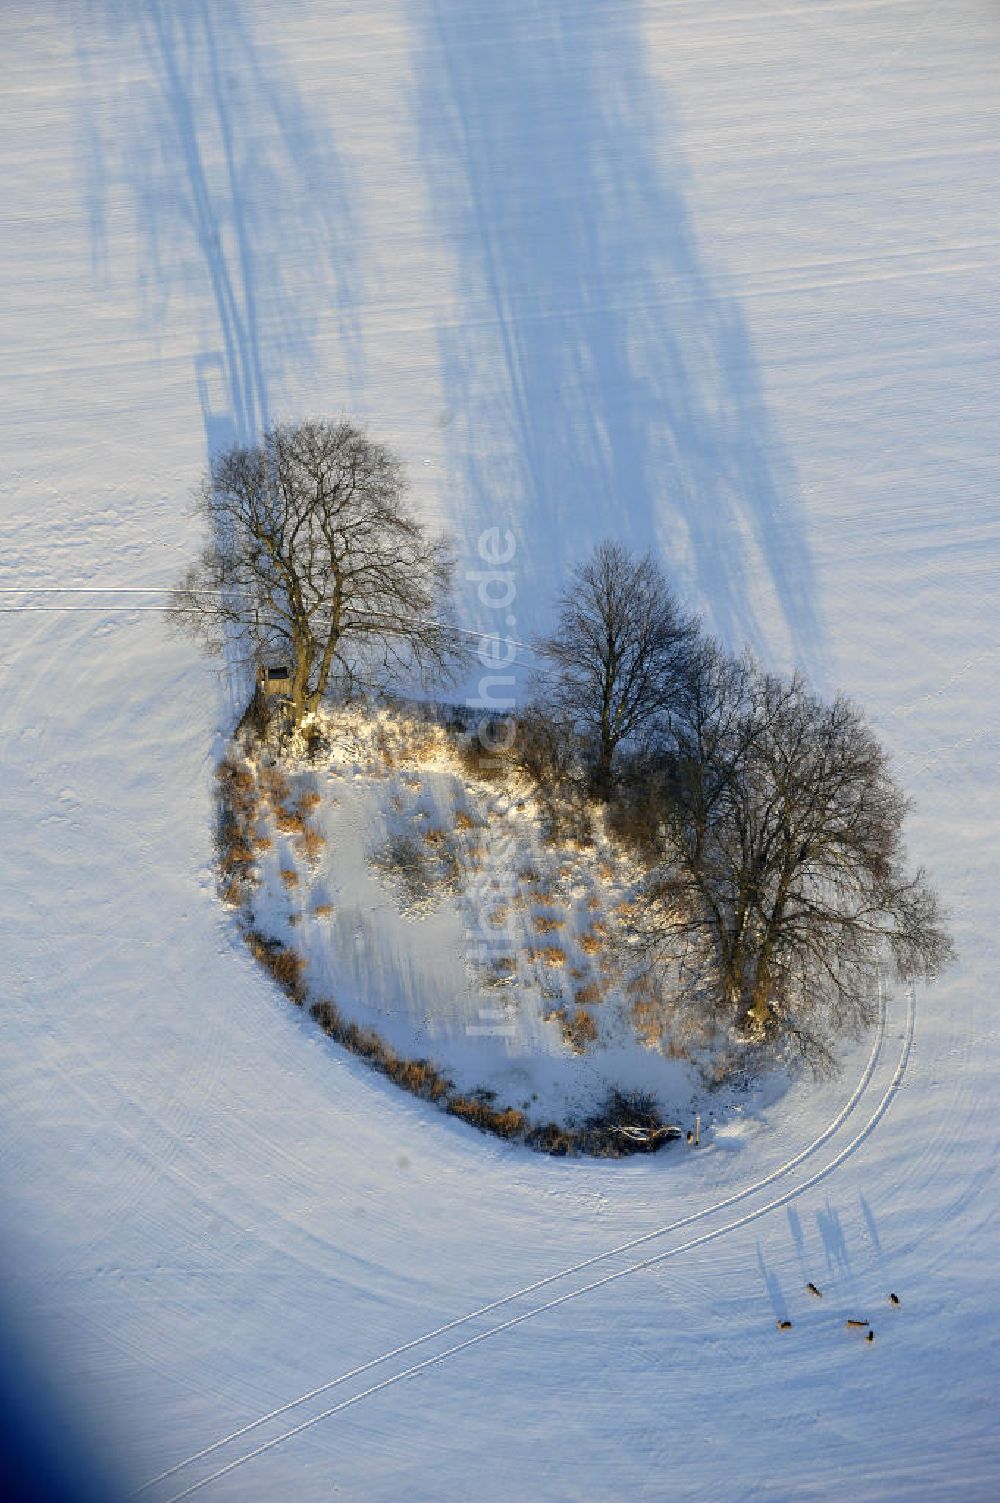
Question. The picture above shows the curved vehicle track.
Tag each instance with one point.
(805, 1154)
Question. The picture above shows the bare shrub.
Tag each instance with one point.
(234, 854)
(587, 995)
(603, 1136)
(578, 1028)
(546, 924)
(274, 786)
(289, 876)
(289, 821)
(491, 756)
(402, 860)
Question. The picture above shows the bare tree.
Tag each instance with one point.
(315, 554)
(782, 847)
(618, 647)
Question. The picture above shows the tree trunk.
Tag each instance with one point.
(602, 772)
(300, 682)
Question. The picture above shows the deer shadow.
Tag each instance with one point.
(773, 1286)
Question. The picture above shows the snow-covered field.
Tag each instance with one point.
(715, 276)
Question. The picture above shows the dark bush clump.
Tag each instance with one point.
(551, 1139)
(611, 1134)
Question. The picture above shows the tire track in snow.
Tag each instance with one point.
(741, 1221)
(449, 1326)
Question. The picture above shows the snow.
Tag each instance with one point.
(716, 277)
(493, 940)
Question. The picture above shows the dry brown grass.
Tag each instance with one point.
(593, 902)
(581, 1030)
(587, 995)
(434, 836)
(606, 871)
(289, 876)
(578, 1029)
(591, 943)
(504, 1122)
(545, 923)
(529, 874)
(418, 1076)
(234, 854)
(289, 821)
(647, 1011)
(310, 843)
(465, 821)
(234, 776)
(552, 956)
(284, 964)
(504, 965)
(323, 910)
(274, 786)
(308, 801)
(499, 915)
(262, 842)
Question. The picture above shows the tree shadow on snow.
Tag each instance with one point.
(192, 114)
(597, 383)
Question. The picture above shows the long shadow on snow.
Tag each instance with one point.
(596, 382)
(226, 170)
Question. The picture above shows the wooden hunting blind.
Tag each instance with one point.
(276, 680)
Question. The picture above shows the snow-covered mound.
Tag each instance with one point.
(431, 903)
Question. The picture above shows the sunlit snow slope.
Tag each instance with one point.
(715, 276)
